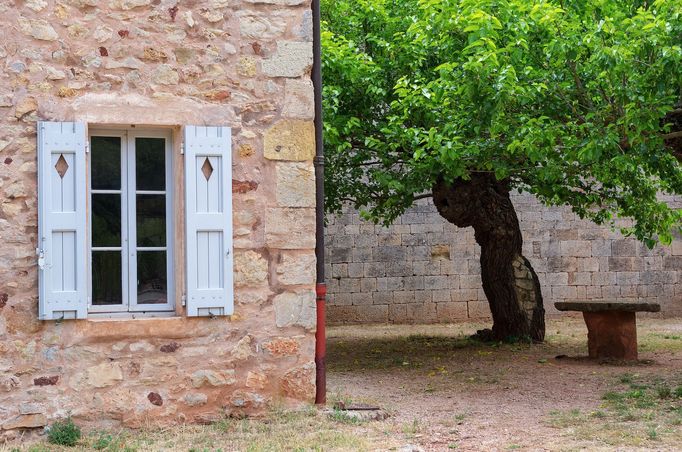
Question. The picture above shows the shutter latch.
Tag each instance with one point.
(182, 148)
(184, 299)
(41, 258)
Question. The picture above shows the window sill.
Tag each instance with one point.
(107, 316)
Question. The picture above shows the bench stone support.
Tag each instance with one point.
(611, 334)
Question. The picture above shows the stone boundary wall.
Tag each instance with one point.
(422, 269)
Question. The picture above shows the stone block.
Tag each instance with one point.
(342, 256)
(403, 296)
(672, 263)
(38, 29)
(295, 309)
(564, 293)
(464, 295)
(295, 184)
(442, 295)
(557, 279)
(374, 269)
(422, 296)
(283, 346)
(104, 375)
(391, 239)
(207, 377)
(422, 312)
(576, 248)
(390, 254)
(290, 228)
(368, 284)
(361, 298)
(479, 310)
(398, 268)
(580, 278)
(299, 383)
(351, 285)
(437, 282)
(382, 298)
(250, 269)
(296, 268)
(397, 313)
(290, 139)
(195, 399)
(624, 264)
(356, 270)
(428, 268)
(340, 299)
(414, 282)
(470, 281)
(677, 247)
(624, 248)
(292, 59)
(587, 264)
(451, 311)
(25, 421)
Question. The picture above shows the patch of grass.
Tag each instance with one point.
(279, 429)
(661, 341)
(565, 419)
(412, 428)
(664, 392)
(626, 378)
(64, 433)
(645, 411)
(344, 418)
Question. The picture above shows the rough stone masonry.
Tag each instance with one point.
(163, 63)
(422, 269)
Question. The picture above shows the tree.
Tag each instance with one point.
(466, 100)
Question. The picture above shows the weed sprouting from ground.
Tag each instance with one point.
(64, 433)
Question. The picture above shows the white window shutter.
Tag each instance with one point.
(208, 207)
(61, 221)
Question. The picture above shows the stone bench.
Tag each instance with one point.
(611, 326)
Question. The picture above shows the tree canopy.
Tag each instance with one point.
(565, 99)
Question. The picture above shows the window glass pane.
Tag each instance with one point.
(150, 163)
(106, 278)
(151, 277)
(106, 220)
(105, 162)
(151, 220)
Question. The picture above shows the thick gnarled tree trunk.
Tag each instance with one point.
(509, 281)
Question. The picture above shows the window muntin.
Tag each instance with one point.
(131, 229)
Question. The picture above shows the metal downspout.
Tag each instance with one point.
(321, 286)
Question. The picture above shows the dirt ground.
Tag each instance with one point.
(446, 392)
(443, 391)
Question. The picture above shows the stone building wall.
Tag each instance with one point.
(163, 63)
(423, 269)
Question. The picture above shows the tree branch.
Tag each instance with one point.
(423, 196)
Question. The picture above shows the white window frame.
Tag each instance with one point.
(128, 192)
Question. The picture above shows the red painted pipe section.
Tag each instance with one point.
(321, 347)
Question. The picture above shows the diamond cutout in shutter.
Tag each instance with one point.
(61, 166)
(207, 169)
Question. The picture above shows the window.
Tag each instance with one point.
(107, 220)
(130, 253)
